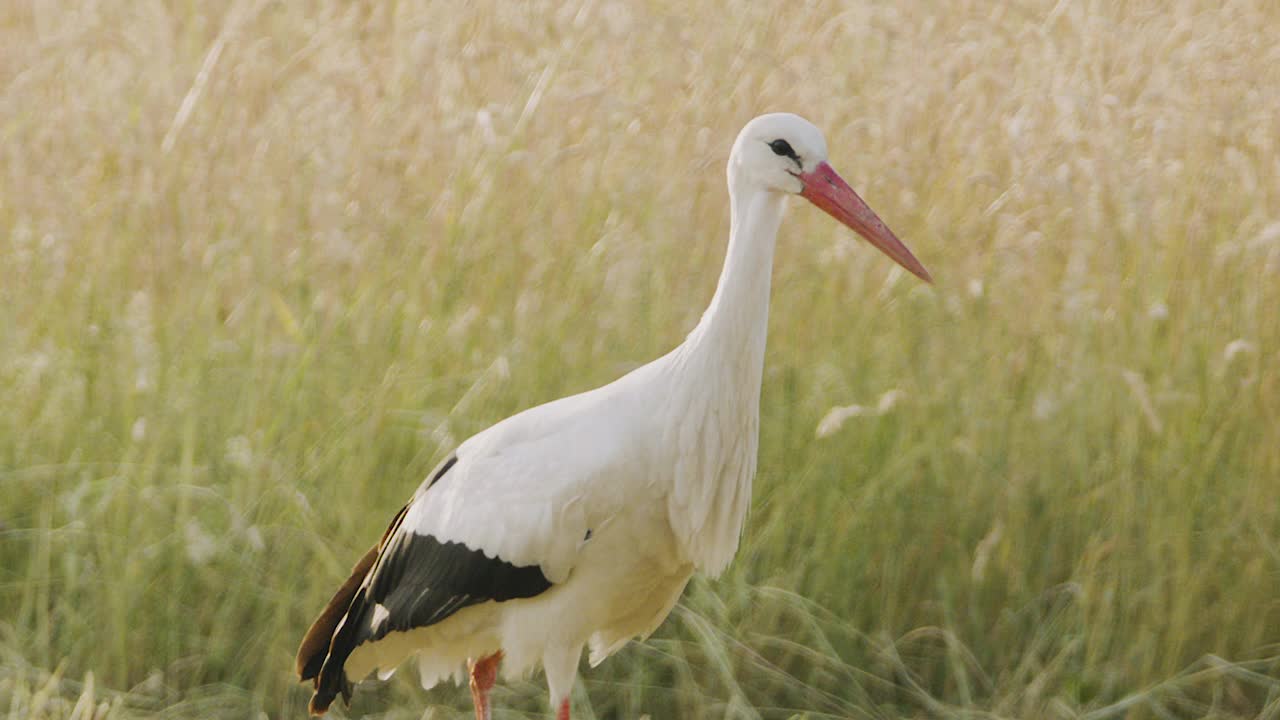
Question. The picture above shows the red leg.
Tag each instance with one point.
(484, 672)
(564, 710)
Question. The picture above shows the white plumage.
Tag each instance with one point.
(578, 523)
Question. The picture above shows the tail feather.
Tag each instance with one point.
(315, 645)
(324, 695)
(318, 643)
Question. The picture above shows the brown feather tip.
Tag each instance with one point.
(315, 645)
(319, 705)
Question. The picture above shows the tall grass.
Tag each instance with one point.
(262, 264)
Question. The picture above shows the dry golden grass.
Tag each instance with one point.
(262, 263)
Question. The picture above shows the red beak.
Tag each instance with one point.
(824, 188)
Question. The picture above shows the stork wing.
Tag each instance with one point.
(415, 580)
(503, 519)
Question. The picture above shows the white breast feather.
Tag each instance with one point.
(715, 451)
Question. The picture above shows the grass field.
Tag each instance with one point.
(262, 264)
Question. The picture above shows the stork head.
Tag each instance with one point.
(785, 153)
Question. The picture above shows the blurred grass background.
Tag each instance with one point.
(263, 263)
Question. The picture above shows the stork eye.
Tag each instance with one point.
(783, 148)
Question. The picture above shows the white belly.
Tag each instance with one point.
(624, 584)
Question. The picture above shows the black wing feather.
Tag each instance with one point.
(423, 581)
(420, 581)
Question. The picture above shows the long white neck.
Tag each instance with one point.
(732, 332)
(714, 403)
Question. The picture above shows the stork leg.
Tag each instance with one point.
(564, 710)
(484, 672)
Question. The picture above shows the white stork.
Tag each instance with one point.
(579, 522)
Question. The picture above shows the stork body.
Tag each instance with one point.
(578, 523)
